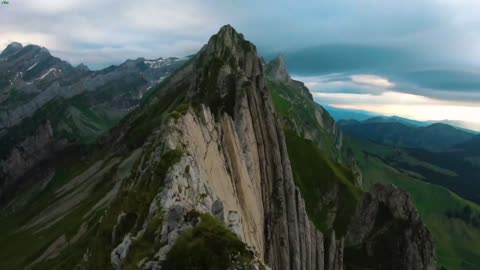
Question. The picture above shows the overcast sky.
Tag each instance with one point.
(349, 52)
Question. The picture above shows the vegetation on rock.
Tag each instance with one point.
(210, 245)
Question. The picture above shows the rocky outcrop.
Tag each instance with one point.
(26, 155)
(78, 104)
(387, 233)
(277, 69)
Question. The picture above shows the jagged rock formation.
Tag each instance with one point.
(23, 157)
(237, 157)
(208, 142)
(277, 69)
(387, 233)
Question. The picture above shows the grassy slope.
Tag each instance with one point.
(314, 173)
(28, 244)
(457, 244)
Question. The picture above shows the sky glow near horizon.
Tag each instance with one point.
(416, 59)
(376, 94)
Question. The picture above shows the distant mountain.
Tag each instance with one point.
(434, 137)
(30, 77)
(471, 146)
(359, 115)
(466, 126)
(348, 114)
(439, 153)
(46, 104)
(397, 119)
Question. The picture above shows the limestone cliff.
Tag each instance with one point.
(38, 146)
(235, 152)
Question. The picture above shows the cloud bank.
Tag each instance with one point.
(347, 48)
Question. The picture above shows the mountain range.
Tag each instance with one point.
(399, 132)
(349, 114)
(219, 161)
(47, 105)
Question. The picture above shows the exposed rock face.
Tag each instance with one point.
(277, 69)
(216, 146)
(237, 158)
(262, 146)
(26, 155)
(387, 233)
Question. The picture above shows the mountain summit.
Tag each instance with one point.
(11, 49)
(277, 68)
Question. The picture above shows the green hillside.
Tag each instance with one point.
(457, 241)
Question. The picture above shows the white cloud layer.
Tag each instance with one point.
(372, 80)
(447, 29)
(385, 100)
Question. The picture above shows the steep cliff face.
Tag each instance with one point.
(261, 143)
(40, 145)
(207, 143)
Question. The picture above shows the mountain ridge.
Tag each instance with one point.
(434, 137)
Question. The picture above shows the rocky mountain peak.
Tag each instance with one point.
(224, 68)
(83, 67)
(277, 69)
(15, 44)
(228, 38)
(12, 48)
(231, 47)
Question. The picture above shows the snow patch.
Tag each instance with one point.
(34, 65)
(160, 62)
(46, 74)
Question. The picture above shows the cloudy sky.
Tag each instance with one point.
(419, 59)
